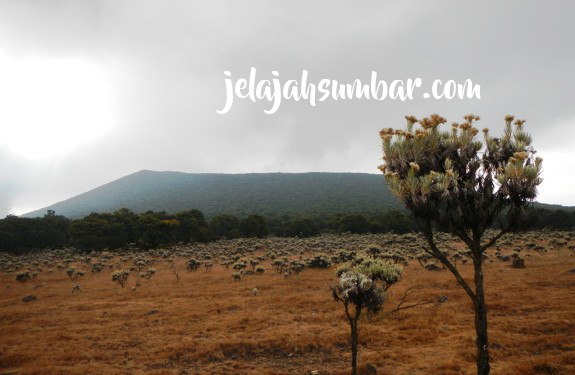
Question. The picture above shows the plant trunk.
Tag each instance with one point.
(483, 367)
(354, 340)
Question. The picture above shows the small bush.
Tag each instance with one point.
(319, 261)
(23, 276)
(239, 265)
(121, 277)
(193, 265)
(148, 274)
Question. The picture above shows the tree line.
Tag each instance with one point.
(124, 228)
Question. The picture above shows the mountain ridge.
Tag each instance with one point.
(238, 194)
(268, 194)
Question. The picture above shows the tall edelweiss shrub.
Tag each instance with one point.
(454, 182)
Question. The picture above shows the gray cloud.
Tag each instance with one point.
(166, 61)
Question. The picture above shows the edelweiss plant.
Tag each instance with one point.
(388, 274)
(453, 182)
(120, 277)
(357, 289)
(23, 276)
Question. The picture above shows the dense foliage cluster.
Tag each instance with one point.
(152, 229)
(434, 171)
(125, 229)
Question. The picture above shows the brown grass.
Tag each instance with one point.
(208, 323)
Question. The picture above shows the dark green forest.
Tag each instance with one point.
(150, 209)
(124, 229)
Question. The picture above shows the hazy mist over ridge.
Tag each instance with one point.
(96, 90)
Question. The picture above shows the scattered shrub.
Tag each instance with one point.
(319, 261)
(193, 265)
(121, 277)
(23, 276)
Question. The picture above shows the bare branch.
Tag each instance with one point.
(464, 237)
(428, 234)
(409, 301)
(176, 274)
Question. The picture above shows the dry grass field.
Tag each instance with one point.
(209, 324)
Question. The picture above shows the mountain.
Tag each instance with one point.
(554, 207)
(236, 194)
(239, 194)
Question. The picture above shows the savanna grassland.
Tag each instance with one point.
(208, 323)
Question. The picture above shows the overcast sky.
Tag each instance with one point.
(91, 91)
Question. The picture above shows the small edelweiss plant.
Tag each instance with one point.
(23, 276)
(120, 277)
(357, 289)
(193, 264)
